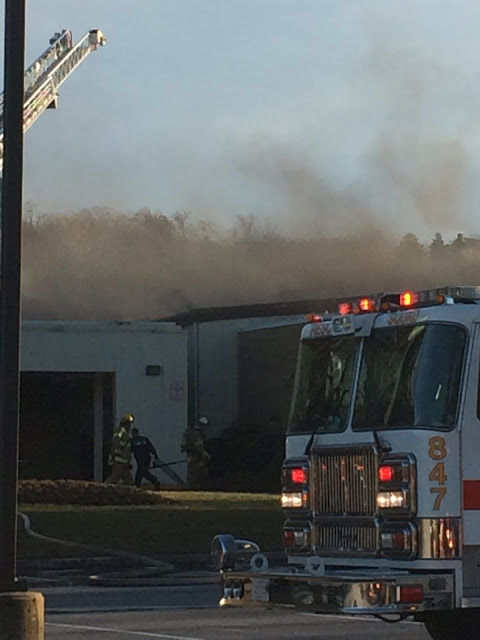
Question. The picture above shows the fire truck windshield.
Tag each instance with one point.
(323, 385)
(409, 377)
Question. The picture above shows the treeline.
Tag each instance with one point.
(103, 264)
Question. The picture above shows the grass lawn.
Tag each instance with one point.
(184, 527)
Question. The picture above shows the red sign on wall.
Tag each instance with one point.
(177, 390)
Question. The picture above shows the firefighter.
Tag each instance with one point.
(121, 453)
(193, 444)
(143, 452)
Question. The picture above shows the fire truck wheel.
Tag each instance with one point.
(461, 624)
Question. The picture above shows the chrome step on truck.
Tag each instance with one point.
(323, 588)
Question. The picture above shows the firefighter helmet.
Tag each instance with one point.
(128, 418)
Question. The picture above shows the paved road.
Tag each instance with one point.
(190, 612)
(223, 624)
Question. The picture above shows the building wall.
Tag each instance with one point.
(267, 359)
(214, 367)
(159, 403)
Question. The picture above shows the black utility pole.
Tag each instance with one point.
(11, 241)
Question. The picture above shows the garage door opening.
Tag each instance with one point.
(66, 424)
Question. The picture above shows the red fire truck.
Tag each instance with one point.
(381, 479)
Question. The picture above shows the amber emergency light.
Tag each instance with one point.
(408, 298)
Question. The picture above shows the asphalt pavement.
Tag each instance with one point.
(224, 624)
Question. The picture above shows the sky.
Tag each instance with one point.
(305, 113)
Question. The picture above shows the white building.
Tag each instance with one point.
(232, 364)
(217, 366)
(79, 378)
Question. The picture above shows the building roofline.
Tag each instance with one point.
(259, 310)
(91, 326)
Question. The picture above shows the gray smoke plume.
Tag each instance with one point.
(103, 264)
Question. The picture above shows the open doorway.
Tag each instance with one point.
(66, 422)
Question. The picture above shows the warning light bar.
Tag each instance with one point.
(388, 303)
(429, 297)
(392, 302)
(364, 305)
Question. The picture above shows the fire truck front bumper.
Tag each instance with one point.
(368, 592)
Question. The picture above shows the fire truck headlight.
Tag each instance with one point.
(391, 500)
(294, 500)
(397, 481)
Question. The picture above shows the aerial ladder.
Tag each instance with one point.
(44, 77)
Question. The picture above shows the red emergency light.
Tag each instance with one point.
(411, 594)
(386, 473)
(299, 476)
(367, 304)
(344, 308)
(409, 298)
(314, 317)
(289, 537)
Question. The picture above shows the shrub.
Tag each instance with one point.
(85, 493)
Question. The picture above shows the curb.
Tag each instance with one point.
(172, 580)
(119, 609)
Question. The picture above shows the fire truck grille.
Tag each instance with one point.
(344, 538)
(344, 482)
